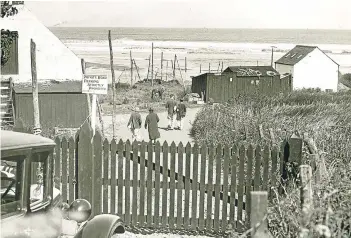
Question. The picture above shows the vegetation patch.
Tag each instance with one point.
(326, 117)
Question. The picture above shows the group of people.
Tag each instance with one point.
(175, 111)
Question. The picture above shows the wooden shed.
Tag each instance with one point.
(61, 104)
(236, 80)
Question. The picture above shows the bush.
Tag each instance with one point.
(326, 117)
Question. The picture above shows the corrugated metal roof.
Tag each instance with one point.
(51, 86)
(253, 71)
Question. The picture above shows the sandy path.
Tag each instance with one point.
(177, 136)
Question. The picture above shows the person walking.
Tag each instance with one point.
(171, 107)
(181, 112)
(134, 123)
(151, 123)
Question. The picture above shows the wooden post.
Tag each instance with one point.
(131, 69)
(222, 67)
(152, 64)
(260, 130)
(185, 65)
(113, 87)
(174, 65)
(271, 133)
(99, 108)
(161, 65)
(137, 69)
(306, 196)
(87, 94)
(295, 149)
(209, 67)
(181, 77)
(148, 69)
(36, 129)
(271, 57)
(167, 71)
(200, 68)
(259, 203)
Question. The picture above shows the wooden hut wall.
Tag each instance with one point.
(56, 110)
(199, 84)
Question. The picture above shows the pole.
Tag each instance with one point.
(175, 59)
(185, 64)
(200, 68)
(93, 113)
(209, 67)
(272, 56)
(87, 95)
(167, 70)
(36, 129)
(222, 67)
(113, 92)
(181, 77)
(148, 70)
(131, 69)
(152, 64)
(161, 64)
(137, 69)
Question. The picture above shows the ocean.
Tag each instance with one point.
(209, 48)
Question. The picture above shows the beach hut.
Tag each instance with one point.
(53, 59)
(61, 104)
(236, 80)
(309, 67)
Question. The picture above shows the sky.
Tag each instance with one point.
(274, 14)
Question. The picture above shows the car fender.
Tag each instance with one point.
(101, 226)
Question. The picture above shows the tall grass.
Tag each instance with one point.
(324, 116)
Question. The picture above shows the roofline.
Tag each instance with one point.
(328, 56)
(315, 47)
(276, 62)
(24, 6)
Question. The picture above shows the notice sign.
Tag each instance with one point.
(94, 84)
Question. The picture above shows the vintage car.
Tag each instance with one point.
(30, 204)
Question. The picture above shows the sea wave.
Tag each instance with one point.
(195, 46)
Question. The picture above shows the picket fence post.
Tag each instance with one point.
(259, 204)
(85, 162)
(306, 195)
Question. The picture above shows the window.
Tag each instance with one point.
(293, 55)
(11, 184)
(39, 180)
(9, 57)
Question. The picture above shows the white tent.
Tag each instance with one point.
(53, 59)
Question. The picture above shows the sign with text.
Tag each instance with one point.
(94, 84)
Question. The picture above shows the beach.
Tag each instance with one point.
(206, 49)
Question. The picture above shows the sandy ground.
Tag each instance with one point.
(122, 131)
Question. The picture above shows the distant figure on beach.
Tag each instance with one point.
(180, 111)
(171, 107)
(134, 123)
(151, 123)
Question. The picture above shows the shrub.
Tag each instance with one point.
(327, 119)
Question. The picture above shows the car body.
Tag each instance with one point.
(29, 198)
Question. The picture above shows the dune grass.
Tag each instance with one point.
(326, 117)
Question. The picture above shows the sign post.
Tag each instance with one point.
(94, 84)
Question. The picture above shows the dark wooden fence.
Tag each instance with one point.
(175, 186)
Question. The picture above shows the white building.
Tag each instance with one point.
(309, 67)
(53, 59)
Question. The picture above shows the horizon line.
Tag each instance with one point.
(222, 28)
